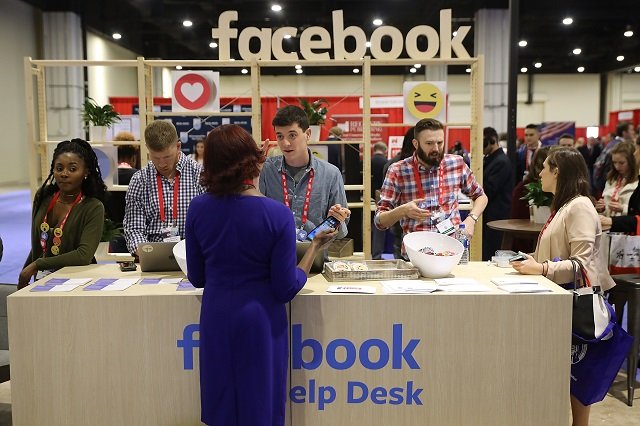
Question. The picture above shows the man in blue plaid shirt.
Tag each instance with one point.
(421, 191)
(159, 194)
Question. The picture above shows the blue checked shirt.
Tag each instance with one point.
(399, 188)
(327, 190)
(142, 211)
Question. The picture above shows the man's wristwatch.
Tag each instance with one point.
(474, 217)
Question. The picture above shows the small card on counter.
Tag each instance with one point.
(456, 281)
(513, 279)
(185, 286)
(61, 284)
(170, 280)
(362, 289)
(519, 284)
(408, 286)
(464, 288)
(111, 284)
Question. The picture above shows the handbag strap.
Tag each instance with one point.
(578, 267)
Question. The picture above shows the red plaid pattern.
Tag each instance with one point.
(399, 187)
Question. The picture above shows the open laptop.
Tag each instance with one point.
(318, 261)
(158, 257)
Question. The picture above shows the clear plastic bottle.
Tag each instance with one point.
(461, 235)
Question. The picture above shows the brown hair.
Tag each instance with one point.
(231, 156)
(573, 175)
(626, 149)
(160, 135)
(537, 164)
(426, 124)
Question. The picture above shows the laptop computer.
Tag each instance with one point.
(318, 261)
(158, 257)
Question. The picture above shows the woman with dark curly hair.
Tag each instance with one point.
(241, 249)
(68, 213)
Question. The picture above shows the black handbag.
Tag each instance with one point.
(593, 317)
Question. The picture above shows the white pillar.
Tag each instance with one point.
(492, 41)
(62, 39)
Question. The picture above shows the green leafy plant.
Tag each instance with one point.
(92, 113)
(536, 196)
(110, 230)
(316, 111)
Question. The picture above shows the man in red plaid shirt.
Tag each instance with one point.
(421, 191)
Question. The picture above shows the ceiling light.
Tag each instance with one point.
(377, 21)
(298, 67)
(580, 69)
(356, 70)
(628, 32)
(244, 71)
(524, 69)
(468, 70)
(637, 69)
(412, 70)
(276, 7)
(298, 71)
(287, 36)
(213, 45)
(178, 67)
(187, 23)
(522, 43)
(567, 21)
(620, 58)
(368, 44)
(116, 36)
(577, 51)
(417, 66)
(538, 64)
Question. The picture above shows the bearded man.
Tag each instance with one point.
(421, 191)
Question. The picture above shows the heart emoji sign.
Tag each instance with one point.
(195, 91)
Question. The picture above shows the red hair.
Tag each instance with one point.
(231, 157)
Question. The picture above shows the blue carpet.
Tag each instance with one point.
(15, 221)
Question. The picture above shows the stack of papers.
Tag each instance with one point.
(61, 284)
(465, 285)
(519, 284)
(111, 284)
(408, 286)
(185, 286)
(366, 289)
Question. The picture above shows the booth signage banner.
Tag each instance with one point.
(195, 91)
(316, 42)
(424, 99)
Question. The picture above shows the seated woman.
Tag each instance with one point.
(68, 213)
(622, 180)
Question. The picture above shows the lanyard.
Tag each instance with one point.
(614, 196)
(57, 232)
(545, 226)
(176, 186)
(419, 189)
(307, 197)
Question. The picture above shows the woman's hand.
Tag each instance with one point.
(26, 274)
(615, 206)
(605, 222)
(529, 266)
(600, 206)
(322, 239)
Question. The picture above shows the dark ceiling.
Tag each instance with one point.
(153, 28)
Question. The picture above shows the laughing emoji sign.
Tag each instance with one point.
(423, 100)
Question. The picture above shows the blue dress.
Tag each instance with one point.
(241, 249)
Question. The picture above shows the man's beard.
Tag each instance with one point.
(432, 160)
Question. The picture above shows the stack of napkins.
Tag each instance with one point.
(466, 285)
(408, 286)
(519, 284)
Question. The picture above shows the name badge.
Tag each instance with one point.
(446, 227)
(170, 234)
(173, 239)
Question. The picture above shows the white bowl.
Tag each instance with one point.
(431, 266)
(180, 253)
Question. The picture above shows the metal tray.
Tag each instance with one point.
(378, 270)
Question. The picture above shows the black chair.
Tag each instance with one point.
(627, 290)
(5, 290)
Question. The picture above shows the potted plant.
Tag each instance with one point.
(316, 113)
(539, 201)
(98, 118)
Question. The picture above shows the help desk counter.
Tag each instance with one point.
(131, 357)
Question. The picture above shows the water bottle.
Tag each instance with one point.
(461, 235)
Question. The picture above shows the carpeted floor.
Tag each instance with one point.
(15, 221)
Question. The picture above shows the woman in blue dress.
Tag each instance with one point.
(241, 249)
